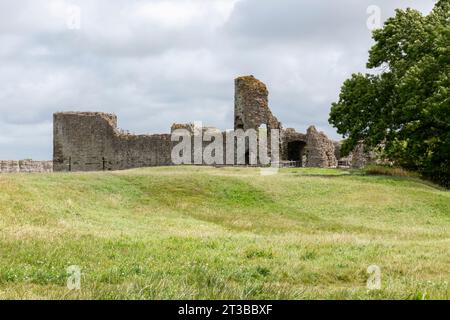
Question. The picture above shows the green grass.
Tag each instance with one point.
(223, 233)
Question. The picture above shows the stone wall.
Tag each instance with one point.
(91, 141)
(28, 166)
(320, 150)
(195, 131)
(86, 141)
(360, 157)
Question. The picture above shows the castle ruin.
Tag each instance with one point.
(91, 141)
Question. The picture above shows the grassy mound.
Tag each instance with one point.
(223, 233)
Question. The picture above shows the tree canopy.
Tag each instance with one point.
(404, 105)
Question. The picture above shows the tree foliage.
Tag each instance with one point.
(405, 104)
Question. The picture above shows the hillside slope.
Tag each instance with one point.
(222, 233)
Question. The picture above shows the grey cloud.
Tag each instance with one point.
(158, 62)
(339, 22)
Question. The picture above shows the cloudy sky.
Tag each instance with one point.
(157, 62)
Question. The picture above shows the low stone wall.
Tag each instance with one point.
(28, 166)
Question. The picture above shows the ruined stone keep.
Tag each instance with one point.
(91, 141)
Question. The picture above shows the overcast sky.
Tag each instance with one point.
(156, 62)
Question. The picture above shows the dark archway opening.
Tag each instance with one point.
(296, 151)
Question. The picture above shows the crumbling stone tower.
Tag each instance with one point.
(251, 107)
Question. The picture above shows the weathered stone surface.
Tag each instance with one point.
(290, 134)
(293, 146)
(319, 150)
(28, 166)
(360, 157)
(90, 141)
(251, 106)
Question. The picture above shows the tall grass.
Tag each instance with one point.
(222, 233)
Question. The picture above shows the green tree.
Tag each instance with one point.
(404, 104)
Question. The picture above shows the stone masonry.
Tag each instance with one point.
(27, 166)
(320, 150)
(251, 105)
(85, 141)
(91, 141)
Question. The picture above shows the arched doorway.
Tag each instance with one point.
(295, 152)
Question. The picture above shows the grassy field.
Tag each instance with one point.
(223, 233)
